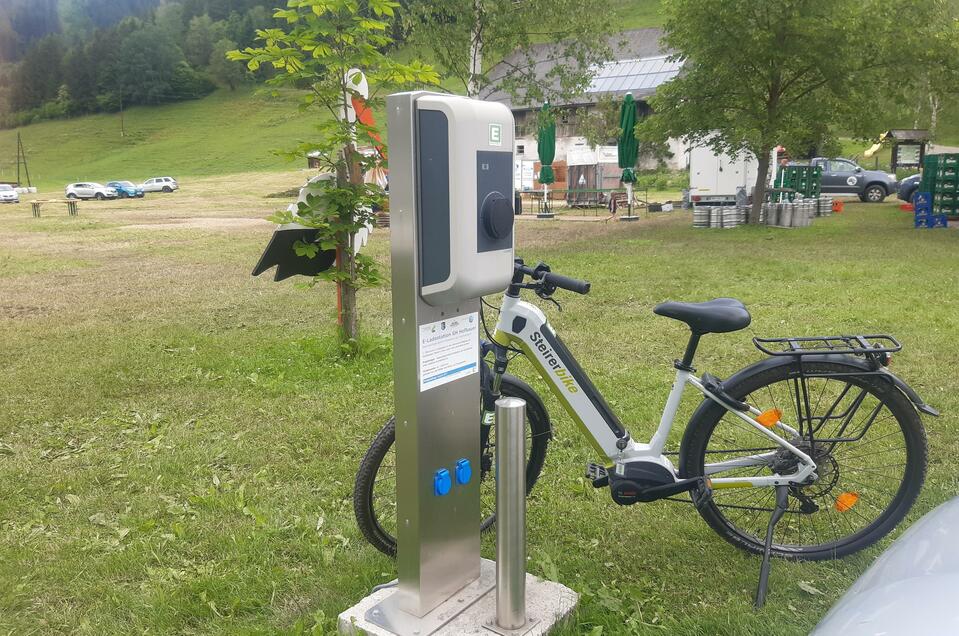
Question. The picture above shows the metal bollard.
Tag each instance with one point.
(510, 513)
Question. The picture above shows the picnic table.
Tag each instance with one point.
(36, 204)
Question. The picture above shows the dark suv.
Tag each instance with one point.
(842, 176)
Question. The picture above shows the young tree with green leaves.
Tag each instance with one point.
(324, 40)
(598, 124)
(793, 72)
(469, 38)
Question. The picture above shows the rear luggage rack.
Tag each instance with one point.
(828, 345)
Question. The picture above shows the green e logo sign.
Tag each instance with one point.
(496, 134)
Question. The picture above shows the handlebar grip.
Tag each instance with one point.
(567, 283)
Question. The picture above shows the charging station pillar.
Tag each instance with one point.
(451, 225)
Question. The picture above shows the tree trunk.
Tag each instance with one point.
(348, 318)
(759, 191)
(476, 53)
(934, 106)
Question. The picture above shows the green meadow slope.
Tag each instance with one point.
(225, 133)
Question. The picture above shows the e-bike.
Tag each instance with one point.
(815, 452)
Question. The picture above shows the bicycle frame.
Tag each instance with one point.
(525, 326)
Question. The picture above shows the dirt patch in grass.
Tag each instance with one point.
(202, 223)
(19, 311)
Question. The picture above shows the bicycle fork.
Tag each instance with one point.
(489, 400)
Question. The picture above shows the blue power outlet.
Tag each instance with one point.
(464, 471)
(442, 482)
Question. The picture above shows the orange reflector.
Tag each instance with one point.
(846, 501)
(769, 418)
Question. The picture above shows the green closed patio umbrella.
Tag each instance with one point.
(628, 146)
(546, 147)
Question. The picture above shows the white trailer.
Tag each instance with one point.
(715, 178)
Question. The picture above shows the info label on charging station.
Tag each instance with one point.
(449, 350)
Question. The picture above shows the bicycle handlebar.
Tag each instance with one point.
(567, 283)
(541, 273)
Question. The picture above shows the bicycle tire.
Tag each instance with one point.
(378, 532)
(747, 386)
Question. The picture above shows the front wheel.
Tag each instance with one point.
(99, 196)
(864, 435)
(374, 492)
(874, 194)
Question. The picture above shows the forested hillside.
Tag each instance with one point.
(69, 57)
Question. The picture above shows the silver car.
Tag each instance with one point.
(160, 184)
(910, 589)
(8, 194)
(89, 190)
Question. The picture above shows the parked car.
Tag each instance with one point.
(842, 176)
(126, 189)
(160, 184)
(909, 589)
(908, 187)
(89, 190)
(8, 194)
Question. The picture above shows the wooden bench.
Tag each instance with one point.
(36, 204)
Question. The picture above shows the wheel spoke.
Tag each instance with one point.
(874, 466)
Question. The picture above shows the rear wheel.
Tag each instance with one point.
(866, 483)
(374, 493)
(167, 189)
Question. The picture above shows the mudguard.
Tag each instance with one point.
(773, 362)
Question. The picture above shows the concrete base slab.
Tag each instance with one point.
(547, 604)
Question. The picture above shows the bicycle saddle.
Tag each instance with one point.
(715, 316)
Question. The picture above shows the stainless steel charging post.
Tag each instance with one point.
(510, 513)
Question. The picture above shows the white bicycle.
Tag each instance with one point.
(815, 452)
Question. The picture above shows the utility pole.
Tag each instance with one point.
(122, 132)
(22, 156)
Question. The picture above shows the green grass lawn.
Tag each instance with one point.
(635, 14)
(225, 133)
(178, 440)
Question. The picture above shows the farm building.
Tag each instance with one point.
(639, 66)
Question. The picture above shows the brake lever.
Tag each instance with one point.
(546, 293)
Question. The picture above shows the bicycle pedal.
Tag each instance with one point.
(597, 474)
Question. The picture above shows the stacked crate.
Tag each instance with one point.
(924, 216)
(805, 180)
(930, 166)
(945, 200)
